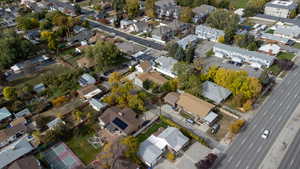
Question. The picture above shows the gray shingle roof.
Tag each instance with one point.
(149, 152)
(174, 138)
(14, 151)
(214, 92)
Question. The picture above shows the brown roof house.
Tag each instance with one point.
(17, 121)
(89, 91)
(152, 76)
(9, 135)
(194, 106)
(171, 98)
(85, 62)
(27, 162)
(119, 121)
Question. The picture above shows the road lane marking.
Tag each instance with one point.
(291, 163)
(296, 95)
(230, 158)
(258, 150)
(237, 164)
(250, 146)
(279, 118)
(244, 141)
(247, 167)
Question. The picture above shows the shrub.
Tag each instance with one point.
(170, 156)
(59, 101)
(247, 105)
(236, 126)
(147, 84)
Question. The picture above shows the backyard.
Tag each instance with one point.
(81, 147)
(285, 55)
(239, 3)
(152, 129)
(296, 45)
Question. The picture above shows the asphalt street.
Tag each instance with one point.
(249, 149)
(292, 158)
(129, 37)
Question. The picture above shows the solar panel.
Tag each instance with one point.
(122, 125)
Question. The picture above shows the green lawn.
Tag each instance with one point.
(270, 31)
(239, 3)
(296, 45)
(80, 146)
(152, 129)
(285, 55)
(275, 69)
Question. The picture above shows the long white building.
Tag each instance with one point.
(255, 59)
(206, 32)
(282, 9)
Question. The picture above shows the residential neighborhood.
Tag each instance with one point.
(157, 84)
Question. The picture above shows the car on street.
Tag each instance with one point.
(265, 134)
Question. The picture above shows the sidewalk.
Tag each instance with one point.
(281, 145)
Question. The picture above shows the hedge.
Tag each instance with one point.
(183, 130)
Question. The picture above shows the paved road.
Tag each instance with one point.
(129, 37)
(292, 158)
(249, 149)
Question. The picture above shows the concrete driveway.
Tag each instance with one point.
(195, 153)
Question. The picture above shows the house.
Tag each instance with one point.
(270, 38)
(194, 106)
(97, 105)
(290, 32)
(119, 121)
(33, 36)
(4, 114)
(124, 23)
(188, 40)
(81, 37)
(270, 49)
(14, 151)
(77, 29)
(60, 156)
(129, 48)
(154, 77)
(144, 66)
(27, 162)
(86, 79)
(215, 92)
(89, 91)
(142, 56)
(280, 8)
(255, 59)
(86, 62)
(140, 27)
(206, 32)
(17, 121)
(9, 135)
(178, 26)
(162, 34)
(55, 123)
(23, 113)
(202, 12)
(39, 88)
(172, 98)
(66, 8)
(165, 65)
(167, 8)
(152, 149)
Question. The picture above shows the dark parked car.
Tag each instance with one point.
(215, 128)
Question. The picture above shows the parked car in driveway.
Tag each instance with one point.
(215, 128)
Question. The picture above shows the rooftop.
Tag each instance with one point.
(204, 9)
(25, 163)
(282, 4)
(214, 92)
(4, 113)
(153, 76)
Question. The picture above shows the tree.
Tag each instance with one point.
(26, 23)
(222, 19)
(9, 93)
(132, 7)
(221, 39)
(236, 126)
(78, 115)
(150, 8)
(207, 162)
(170, 156)
(172, 48)
(186, 15)
(131, 148)
(114, 78)
(77, 9)
(118, 5)
(254, 7)
(13, 48)
(247, 105)
(37, 137)
(189, 54)
(45, 25)
(147, 84)
(180, 54)
(229, 35)
(198, 63)
(106, 55)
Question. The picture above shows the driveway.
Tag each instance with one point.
(195, 153)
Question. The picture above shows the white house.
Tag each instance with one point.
(270, 49)
(96, 104)
(188, 40)
(165, 65)
(167, 8)
(278, 8)
(54, 123)
(86, 79)
(240, 55)
(206, 32)
(151, 150)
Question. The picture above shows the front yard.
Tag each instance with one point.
(286, 55)
(81, 147)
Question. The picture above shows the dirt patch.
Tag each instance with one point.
(224, 122)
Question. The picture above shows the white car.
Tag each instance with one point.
(265, 134)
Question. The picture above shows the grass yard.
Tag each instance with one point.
(80, 146)
(275, 69)
(285, 55)
(239, 3)
(152, 129)
(270, 31)
(296, 45)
